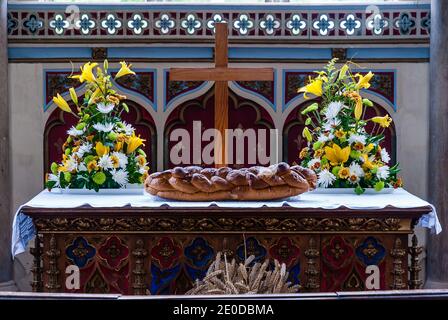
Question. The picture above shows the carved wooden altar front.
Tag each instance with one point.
(163, 251)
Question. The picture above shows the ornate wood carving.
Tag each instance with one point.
(139, 254)
(99, 53)
(37, 283)
(52, 283)
(414, 269)
(312, 272)
(340, 53)
(216, 223)
(398, 253)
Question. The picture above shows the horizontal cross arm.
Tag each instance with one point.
(221, 74)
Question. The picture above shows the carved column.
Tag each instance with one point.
(139, 254)
(312, 271)
(6, 274)
(398, 253)
(437, 249)
(414, 269)
(37, 283)
(53, 253)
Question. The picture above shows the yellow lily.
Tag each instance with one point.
(307, 134)
(73, 95)
(314, 87)
(369, 147)
(92, 165)
(336, 155)
(86, 73)
(124, 70)
(363, 81)
(383, 121)
(358, 109)
(118, 146)
(61, 103)
(367, 163)
(133, 143)
(94, 95)
(101, 149)
(343, 71)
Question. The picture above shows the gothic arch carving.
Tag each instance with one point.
(243, 113)
(294, 124)
(59, 122)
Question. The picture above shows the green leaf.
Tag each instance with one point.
(359, 190)
(310, 108)
(379, 186)
(54, 168)
(125, 107)
(67, 176)
(367, 102)
(88, 159)
(335, 170)
(99, 178)
(80, 126)
(317, 145)
(141, 152)
(50, 184)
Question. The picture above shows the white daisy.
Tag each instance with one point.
(105, 162)
(105, 108)
(107, 127)
(385, 156)
(357, 138)
(71, 164)
(314, 163)
(82, 167)
(55, 178)
(84, 148)
(331, 123)
(142, 170)
(324, 138)
(75, 132)
(356, 172)
(127, 128)
(333, 110)
(326, 178)
(120, 177)
(122, 159)
(383, 172)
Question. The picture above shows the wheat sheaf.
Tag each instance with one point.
(231, 278)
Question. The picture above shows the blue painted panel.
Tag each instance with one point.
(160, 52)
(280, 53)
(45, 52)
(382, 53)
(207, 53)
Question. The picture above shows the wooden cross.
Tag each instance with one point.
(221, 74)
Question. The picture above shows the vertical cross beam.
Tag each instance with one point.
(221, 94)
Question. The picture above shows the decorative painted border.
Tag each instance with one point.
(179, 22)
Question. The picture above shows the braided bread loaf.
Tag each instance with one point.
(256, 183)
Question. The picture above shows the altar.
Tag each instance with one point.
(139, 244)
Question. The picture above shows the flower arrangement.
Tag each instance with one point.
(101, 150)
(339, 149)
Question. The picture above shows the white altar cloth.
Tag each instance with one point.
(23, 228)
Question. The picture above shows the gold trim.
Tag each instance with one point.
(224, 224)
